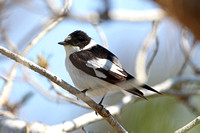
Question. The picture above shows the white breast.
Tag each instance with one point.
(81, 80)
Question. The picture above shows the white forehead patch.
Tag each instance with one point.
(104, 64)
(68, 38)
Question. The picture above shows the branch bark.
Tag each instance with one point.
(189, 126)
(96, 107)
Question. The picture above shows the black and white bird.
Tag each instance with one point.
(91, 66)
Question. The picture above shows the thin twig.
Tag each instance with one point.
(190, 105)
(67, 97)
(66, 7)
(187, 53)
(51, 5)
(189, 126)
(101, 34)
(9, 43)
(41, 34)
(5, 92)
(3, 77)
(8, 85)
(122, 15)
(132, 15)
(164, 87)
(142, 54)
(153, 56)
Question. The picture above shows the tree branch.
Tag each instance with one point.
(123, 15)
(96, 107)
(142, 54)
(189, 126)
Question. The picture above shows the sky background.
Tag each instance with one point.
(124, 40)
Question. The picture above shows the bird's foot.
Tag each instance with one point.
(83, 91)
(100, 103)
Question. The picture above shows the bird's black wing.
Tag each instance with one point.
(101, 63)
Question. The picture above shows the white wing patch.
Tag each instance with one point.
(100, 74)
(104, 64)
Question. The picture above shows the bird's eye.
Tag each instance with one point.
(68, 38)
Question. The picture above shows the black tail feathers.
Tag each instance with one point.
(149, 88)
(137, 92)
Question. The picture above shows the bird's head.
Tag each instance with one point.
(76, 41)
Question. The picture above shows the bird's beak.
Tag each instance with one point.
(62, 43)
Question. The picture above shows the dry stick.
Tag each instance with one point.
(96, 107)
(153, 56)
(114, 109)
(3, 77)
(142, 54)
(10, 44)
(67, 97)
(187, 54)
(52, 5)
(101, 34)
(187, 102)
(123, 15)
(189, 126)
(64, 97)
(8, 85)
(163, 87)
(83, 120)
(132, 15)
(35, 84)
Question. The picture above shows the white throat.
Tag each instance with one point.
(71, 49)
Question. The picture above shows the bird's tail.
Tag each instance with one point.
(149, 88)
(137, 92)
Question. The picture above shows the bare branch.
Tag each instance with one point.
(123, 15)
(52, 6)
(142, 54)
(96, 107)
(116, 108)
(189, 126)
(68, 98)
(66, 7)
(153, 56)
(163, 87)
(187, 53)
(187, 102)
(129, 15)
(41, 34)
(9, 43)
(101, 34)
(3, 77)
(180, 79)
(8, 85)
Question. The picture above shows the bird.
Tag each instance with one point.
(93, 67)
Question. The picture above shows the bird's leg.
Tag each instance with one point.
(100, 103)
(84, 91)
